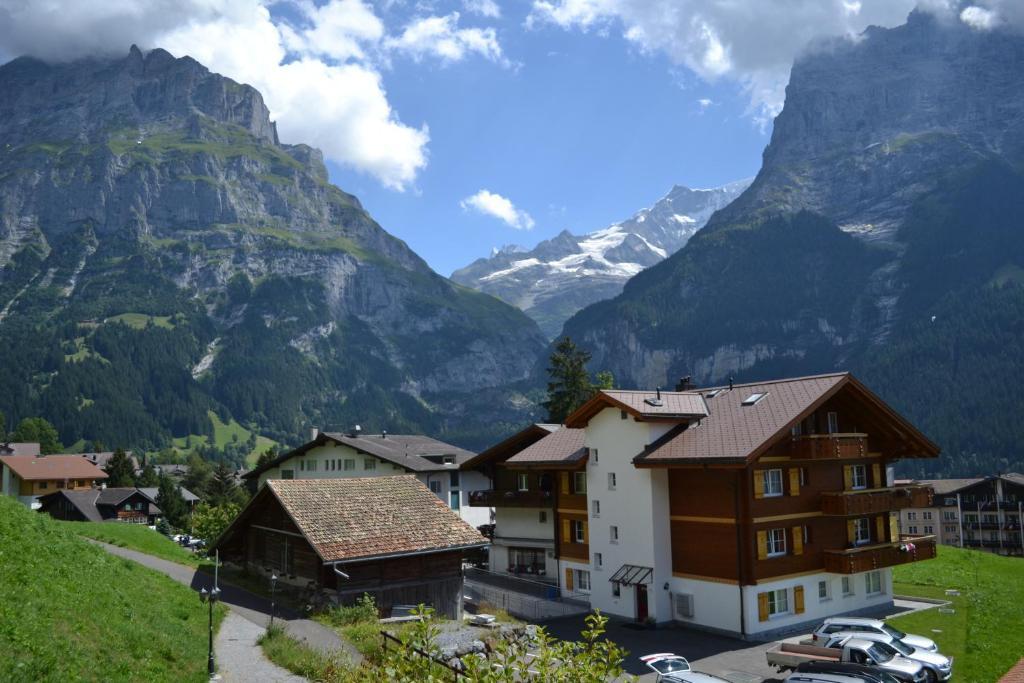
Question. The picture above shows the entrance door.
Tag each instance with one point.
(641, 602)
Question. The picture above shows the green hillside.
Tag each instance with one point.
(985, 632)
(71, 612)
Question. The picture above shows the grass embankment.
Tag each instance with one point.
(290, 654)
(986, 632)
(136, 537)
(69, 611)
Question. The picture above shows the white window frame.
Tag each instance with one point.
(613, 534)
(826, 594)
(833, 422)
(350, 464)
(847, 587)
(859, 472)
(522, 481)
(778, 603)
(911, 516)
(875, 578)
(578, 535)
(593, 456)
(611, 481)
(927, 515)
(582, 580)
(579, 482)
(595, 508)
(598, 561)
(861, 524)
(770, 490)
(616, 590)
(928, 530)
(912, 529)
(776, 542)
(435, 488)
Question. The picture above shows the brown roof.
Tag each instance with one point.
(562, 447)
(510, 446)
(33, 468)
(735, 433)
(7, 448)
(347, 519)
(643, 405)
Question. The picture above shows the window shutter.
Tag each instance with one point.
(568, 579)
(758, 483)
(880, 526)
(566, 532)
(586, 532)
(762, 607)
(876, 472)
(794, 481)
(847, 477)
(565, 483)
(798, 540)
(894, 528)
(851, 531)
(762, 545)
(798, 599)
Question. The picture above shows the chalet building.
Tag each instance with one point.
(747, 509)
(983, 513)
(390, 536)
(9, 448)
(331, 455)
(27, 477)
(127, 504)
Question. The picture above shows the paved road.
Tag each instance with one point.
(241, 660)
(252, 607)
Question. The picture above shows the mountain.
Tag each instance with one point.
(163, 256)
(566, 273)
(882, 235)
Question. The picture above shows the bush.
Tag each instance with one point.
(365, 610)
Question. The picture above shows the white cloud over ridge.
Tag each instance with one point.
(502, 208)
(441, 37)
(485, 8)
(319, 71)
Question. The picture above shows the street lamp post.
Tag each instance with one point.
(211, 596)
(273, 590)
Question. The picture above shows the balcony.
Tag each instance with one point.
(867, 558)
(875, 501)
(511, 499)
(829, 446)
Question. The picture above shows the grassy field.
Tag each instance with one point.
(141, 320)
(985, 633)
(69, 611)
(225, 433)
(136, 537)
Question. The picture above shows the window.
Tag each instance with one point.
(776, 542)
(598, 560)
(287, 474)
(311, 466)
(369, 464)
(435, 488)
(613, 534)
(616, 590)
(453, 500)
(950, 529)
(929, 529)
(595, 508)
(847, 587)
(911, 516)
(582, 580)
(772, 483)
(833, 423)
(611, 481)
(127, 507)
(804, 479)
(807, 534)
(796, 430)
(873, 580)
(593, 455)
(861, 531)
(44, 484)
(824, 591)
(623, 415)
(912, 530)
(778, 602)
(543, 517)
(754, 398)
(579, 482)
(927, 515)
(302, 465)
(350, 464)
(522, 481)
(526, 561)
(578, 531)
(860, 476)
(448, 460)
(949, 516)
(453, 479)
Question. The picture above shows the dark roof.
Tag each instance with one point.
(366, 517)
(151, 491)
(8, 448)
(83, 501)
(115, 496)
(101, 459)
(410, 451)
(510, 446)
(562, 447)
(32, 468)
(643, 405)
(735, 433)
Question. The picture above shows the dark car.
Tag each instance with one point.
(870, 674)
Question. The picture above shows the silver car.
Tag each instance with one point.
(938, 666)
(861, 625)
(672, 668)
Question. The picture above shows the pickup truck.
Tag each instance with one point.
(789, 655)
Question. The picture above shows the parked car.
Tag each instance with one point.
(861, 625)
(938, 666)
(863, 672)
(825, 678)
(789, 655)
(675, 669)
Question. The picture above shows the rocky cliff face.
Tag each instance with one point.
(883, 217)
(566, 273)
(146, 202)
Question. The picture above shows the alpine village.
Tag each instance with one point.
(770, 430)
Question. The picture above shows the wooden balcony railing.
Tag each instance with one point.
(829, 446)
(875, 501)
(510, 498)
(866, 558)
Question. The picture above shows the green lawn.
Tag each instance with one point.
(986, 632)
(136, 537)
(139, 321)
(69, 611)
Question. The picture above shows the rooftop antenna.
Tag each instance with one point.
(730, 381)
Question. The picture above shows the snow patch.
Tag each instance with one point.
(516, 265)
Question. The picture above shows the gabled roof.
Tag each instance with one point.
(561, 448)
(510, 446)
(151, 493)
(409, 451)
(734, 433)
(366, 518)
(8, 448)
(33, 468)
(116, 496)
(83, 501)
(943, 487)
(101, 459)
(643, 405)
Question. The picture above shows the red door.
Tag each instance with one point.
(641, 602)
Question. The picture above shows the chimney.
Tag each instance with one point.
(313, 433)
(658, 392)
(730, 381)
(685, 384)
(383, 433)
(356, 431)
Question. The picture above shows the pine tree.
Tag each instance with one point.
(172, 503)
(569, 386)
(266, 457)
(120, 470)
(222, 486)
(199, 475)
(148, 477)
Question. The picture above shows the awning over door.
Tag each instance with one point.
(631, 575)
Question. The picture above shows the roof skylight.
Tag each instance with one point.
(754, 398)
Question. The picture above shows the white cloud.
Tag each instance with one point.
(442, 38)
(492, 204)
(485, 8)
(979, 18)
(705, 103)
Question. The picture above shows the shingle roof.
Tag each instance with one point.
(84, 502)
(511, 445)
(101, 459)
(52, 467)
(151, 492)
(346, 519)
(564, 446)
(7, 448)
(114, 496)
(946, 486)
(644, 405)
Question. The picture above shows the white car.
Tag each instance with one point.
(938, 666)
(860, 625)
(675, 669)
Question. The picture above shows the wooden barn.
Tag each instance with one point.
(391, 536)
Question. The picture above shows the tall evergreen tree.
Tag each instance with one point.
(171, 502)
(147, 477)
(199, 475)
(120, 470)
(266, 457)
(38, 430)
(222, 485)
(569, 386)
